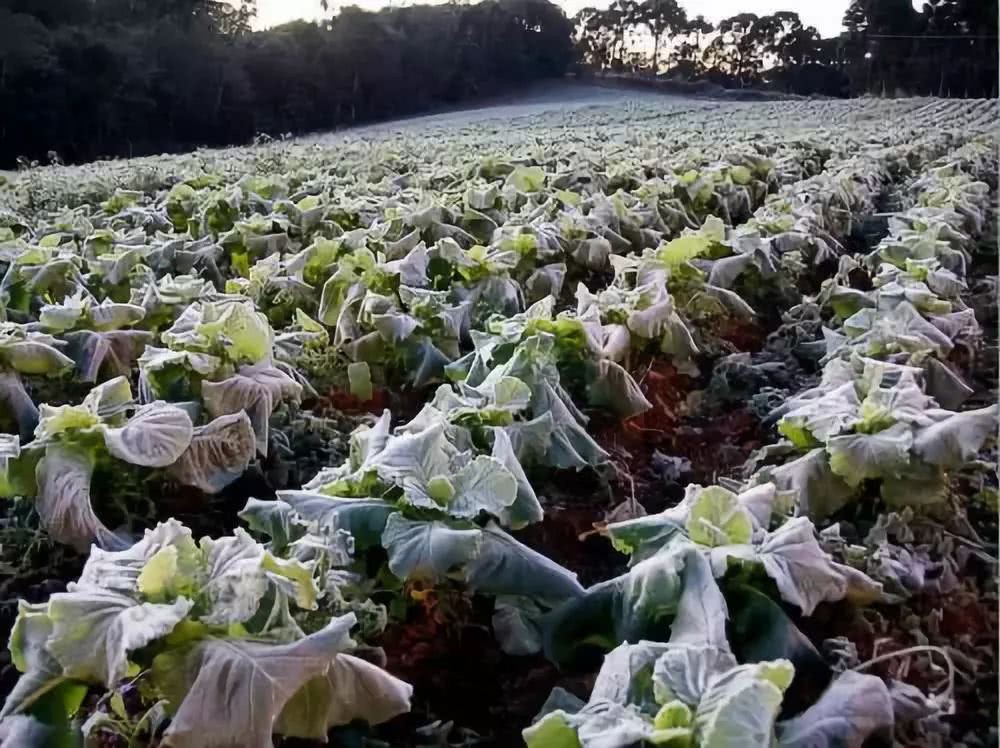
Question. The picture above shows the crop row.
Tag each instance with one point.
(165, 336)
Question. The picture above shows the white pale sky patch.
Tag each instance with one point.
(825, 15)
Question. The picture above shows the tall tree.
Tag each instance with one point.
(660, 17)
(736, 51)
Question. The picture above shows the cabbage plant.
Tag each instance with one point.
(692, 691)
(70, 440)
(871, 420)
(99, 336)
(207, 629)
(436, 506)
(24, 352)
(221, 355)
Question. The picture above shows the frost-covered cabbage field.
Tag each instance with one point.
(650, 423)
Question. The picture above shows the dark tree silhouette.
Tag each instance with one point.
(94, 78)
(947, 49)
(126, 77)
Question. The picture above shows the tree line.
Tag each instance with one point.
(948, 48)
(87, 79)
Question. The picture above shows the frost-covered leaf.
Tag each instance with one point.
(429, 549)
(234, 581)
(240, 394)
(113, 352)
(155, 436)
(365, 519)
(615, 389)
(351, 689)
(525, 508)
(698, 649)
(955, 440)
(31, 357)
(93, 631)
(739, 707)
(626, 676)
(41, 672)
(484, 485)
(119, 571)
(818, 490)
(19, 730)
(852, 709)
(412, 460)
(230, 693)
(634, 606)
(505, 566)
(63, 504)
(218, 453)
(804, 573)
(16, 401)
(276, 519)
(857, 457)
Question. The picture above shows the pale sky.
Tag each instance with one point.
(825, 15)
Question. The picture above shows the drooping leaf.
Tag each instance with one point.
(351, 689)
(505, 566)
(804, 573)
(427, 549)
(954, 440)
(155, 436)
(93, 631)
(218, 453)
(740, 706)
(230, 693)
(851, 710)
(63, 476)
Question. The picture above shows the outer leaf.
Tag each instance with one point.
(526, 508)
(241, 394)
(118, 571)
(505, 566)
(63, 502)
(365, 519)
(230, 693)
(818, 490)
(155, 436)
(276, 519)
(412, 460)
(698, 650)
(93, 631)
(853, 708)
(218, 454)
(804, 573)
(41, 671)
(885, 454)
(739, 708)
(235, 581)
(352, 689)
(956, 439)
(18, 403)
(616, 389)
(30, 357)
(427, 549)
(21, 730)
(484, 485)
